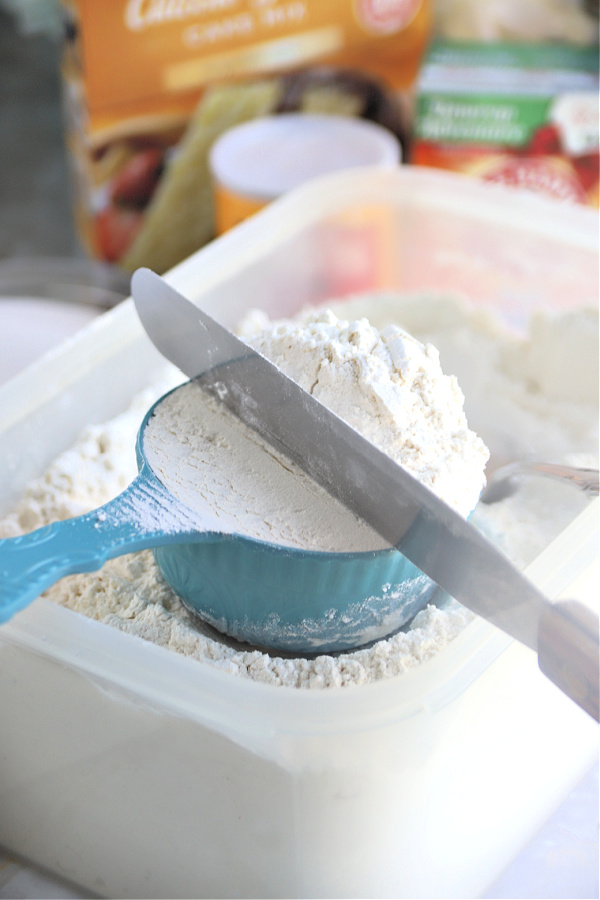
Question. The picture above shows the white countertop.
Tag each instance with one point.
(560, 862)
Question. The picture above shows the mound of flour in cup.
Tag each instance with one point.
(385, 384)
(516, 403)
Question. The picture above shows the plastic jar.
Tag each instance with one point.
(258, 161)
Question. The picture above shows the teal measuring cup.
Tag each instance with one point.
(264, 594)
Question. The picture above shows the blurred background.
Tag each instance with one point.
(36, 210)
(38, 185)
(109, 114)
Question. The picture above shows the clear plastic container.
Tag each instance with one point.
(136, 772)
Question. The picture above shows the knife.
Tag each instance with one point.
(406, 513)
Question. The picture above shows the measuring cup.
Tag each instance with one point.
(265, 594)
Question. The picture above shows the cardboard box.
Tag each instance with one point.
(149, 87)
(519, 114)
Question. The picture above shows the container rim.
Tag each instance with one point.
(459, 194)
(127, 665)
(251, 712)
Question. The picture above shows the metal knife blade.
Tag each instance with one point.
(396, 505)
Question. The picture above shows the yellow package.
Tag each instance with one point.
(151, 84)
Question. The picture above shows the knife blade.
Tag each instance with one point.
(406, 513)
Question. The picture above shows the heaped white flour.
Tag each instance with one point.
(387, 385)
(391, 388)
(533, 395)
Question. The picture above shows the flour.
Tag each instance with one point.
(535, 395)
(225, 473)
(387, 385)
(391, 388)
(97, 468)
(509, 401)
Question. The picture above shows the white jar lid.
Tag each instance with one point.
(267, 157)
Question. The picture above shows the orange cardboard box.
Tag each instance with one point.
(151, 84)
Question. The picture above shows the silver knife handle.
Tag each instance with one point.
(568, 652)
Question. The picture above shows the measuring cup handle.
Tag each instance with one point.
(568, 652)
(30, 563)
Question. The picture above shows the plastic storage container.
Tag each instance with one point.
(136, 772)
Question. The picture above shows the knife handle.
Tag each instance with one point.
(568, 652)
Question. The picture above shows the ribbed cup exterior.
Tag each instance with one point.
(294, 600)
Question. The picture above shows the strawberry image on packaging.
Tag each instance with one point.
(519, 114)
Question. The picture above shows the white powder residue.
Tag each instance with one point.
(515, 407)
(97, 468)
(387, 385)
(215, 465)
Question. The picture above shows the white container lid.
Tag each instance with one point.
(267, 157)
